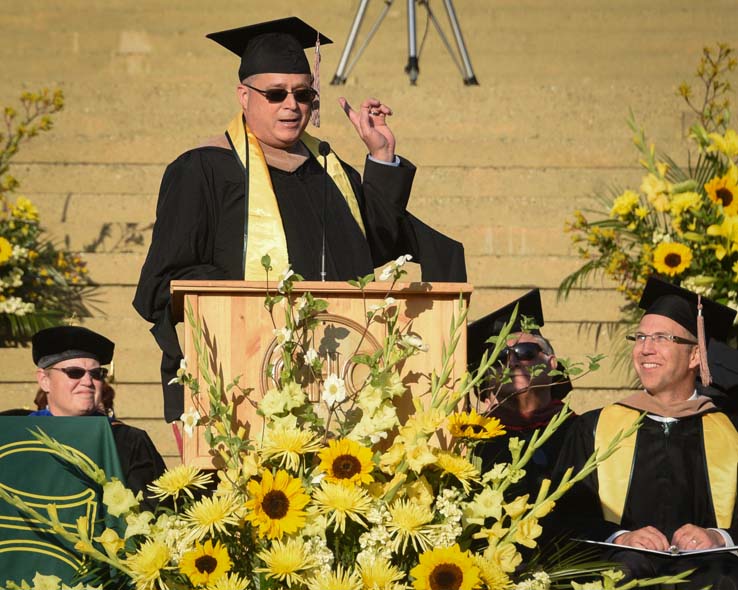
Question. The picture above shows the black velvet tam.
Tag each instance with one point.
(54, 345)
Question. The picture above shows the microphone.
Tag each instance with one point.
(324, 148)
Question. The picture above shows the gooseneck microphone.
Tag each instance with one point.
(324, 148)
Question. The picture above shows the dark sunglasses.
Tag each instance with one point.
(523, 351)
(98, 373)
(275, 95)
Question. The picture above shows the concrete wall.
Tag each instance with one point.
(501, 166)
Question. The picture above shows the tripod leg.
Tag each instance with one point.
(413, 67)
(470, 79)
(340, 76)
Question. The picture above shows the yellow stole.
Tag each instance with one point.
(264, 233)
(721, 456)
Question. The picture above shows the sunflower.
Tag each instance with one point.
(472, 425)
(459, 467)
(205, 563)
(724, 191)
(410, 522)
(445, 568)
(671, 258)
(177, 480)
(146, 564)
(211, 514)
(276, 504)
(288, 445)
(378, 572)
(286, 562)
(341, 579)
(347, 462)
(338, 502)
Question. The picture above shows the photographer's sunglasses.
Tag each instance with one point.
(523, 351)
(76, 373)
(276, 95)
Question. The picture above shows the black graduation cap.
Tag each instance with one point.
(479, 331)
(272, 47)
(680, 305)
(53, 345)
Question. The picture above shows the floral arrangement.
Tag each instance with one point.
(344, 496)
(681, 223)
(40, 283)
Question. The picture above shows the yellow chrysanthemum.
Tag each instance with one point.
(687, 201)
(445, 568)
(724, 191)
(205, 563)
(341, 579)
(276, 504)
(624, 204)
(492, 576)
(347, 462)
(6, 250)
(726, 144)
(286, 562)
(410, 522)
(459, 467)
(288, 445)
(379, 573)
(208, 515)
(671, 258)
(472, 425)
(339, 502)
(179, 479)
(229, 581)
(146, 564)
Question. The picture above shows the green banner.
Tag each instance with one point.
(40, 476)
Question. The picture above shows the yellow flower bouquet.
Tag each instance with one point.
(681, 223)
(346, 494)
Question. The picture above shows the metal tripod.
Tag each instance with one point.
(412, 68)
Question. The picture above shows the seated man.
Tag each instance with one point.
(521, 392)
(673, 483)
(69, 360)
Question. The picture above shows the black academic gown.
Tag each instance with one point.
(669, 487)
(199, 230)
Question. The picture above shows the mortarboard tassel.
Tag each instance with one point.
(315, 116)
(705, 376)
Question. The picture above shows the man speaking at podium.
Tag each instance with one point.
(261, 188)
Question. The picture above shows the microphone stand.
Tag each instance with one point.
(324, 148)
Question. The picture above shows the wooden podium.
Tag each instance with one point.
(239, 332)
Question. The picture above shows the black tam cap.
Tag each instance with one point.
(54, 345)
(680, 305)
(481, 330)
(273, 47)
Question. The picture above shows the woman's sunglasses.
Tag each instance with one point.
(523, 351)
(276, 95)
(98, 373)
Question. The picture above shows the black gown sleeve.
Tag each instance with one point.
(139, 459)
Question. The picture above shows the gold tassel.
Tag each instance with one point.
(705, 376)
(315, 116)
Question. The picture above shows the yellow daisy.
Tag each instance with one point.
(410, 523)
(211, 514)
(724, 191)
(146, 564)
(347, 462)
(6, 250)
(286, 562)
(379, 573)
(472, 425)
(671, 258)
(180, 479)
(229, 581)
(205, 563)
(341, 579)
(276, 504)
(445, 568)
(339, 502)
(459, 467)
(288, 445)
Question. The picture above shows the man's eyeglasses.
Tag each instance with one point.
(523, 351)
(98, 373)
(658, 338)
(276, 95)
